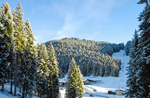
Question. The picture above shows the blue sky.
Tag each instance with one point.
(101, 20)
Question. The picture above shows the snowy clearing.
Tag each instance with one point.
(108, 83)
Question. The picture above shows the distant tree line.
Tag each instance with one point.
(93, 57)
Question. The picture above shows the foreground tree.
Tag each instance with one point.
(53, 74)
(71, 87)
(6, 41)
(143, 80)
(20, 44)
(74, 87)
(132, 68)
(141, 58)
(29, 63)
(80, 84)
(42, 72)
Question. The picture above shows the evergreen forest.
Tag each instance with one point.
(93, 57)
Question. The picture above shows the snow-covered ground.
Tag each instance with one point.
(5, 94)
(108, 83)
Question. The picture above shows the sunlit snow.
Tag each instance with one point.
(108, 83)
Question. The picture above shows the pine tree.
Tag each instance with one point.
(20, 43)
(132, 68)
(42, 72)
(71, 87)
(80, 85)
(6, 40)
(29, 63)
(54, 81)
(143, 80)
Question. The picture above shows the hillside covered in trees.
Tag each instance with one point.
(93, 57)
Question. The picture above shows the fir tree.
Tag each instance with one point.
(29, 63)
(20, 43)
(143, 80)
(71, 87)
(80, 85)
(54, 81)
(132, 68)
(6, 40)
(42, 72)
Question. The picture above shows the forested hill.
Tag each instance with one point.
(93, 57)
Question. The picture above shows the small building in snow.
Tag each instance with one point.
(88, 81)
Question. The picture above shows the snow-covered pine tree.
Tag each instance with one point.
(20, 43)
(39, 67)
(33, 57)
(6, 39)
(42, 72)
(80, 84)
(143, 80)
(132, 68)
(71, 87)
(54, 81)
(29, 63)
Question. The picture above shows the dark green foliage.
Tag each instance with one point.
(28, 72)
(74, 88)
(42, 72)
(132, 68)
(53, 75)
(80, 84)
(71, 87)
(18, 55)
(29, 65)
(143, 80)
(3, 61)
(127, 47)
(142, 1)
(20, 45)
(6, 41)
(138, 71)
(87, 54)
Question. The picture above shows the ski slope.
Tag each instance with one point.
(124, 60)
(111, 83)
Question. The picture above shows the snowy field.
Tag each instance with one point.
(108, 83)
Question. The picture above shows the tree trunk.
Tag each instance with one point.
(11, 72)
(50, 92)
(27, 90)
(11, 84)
(3, 85)
(15, 81)
(23, 93)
